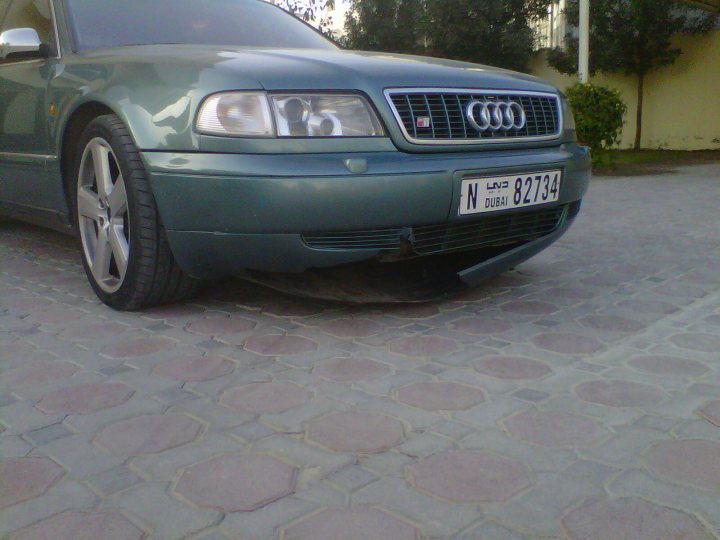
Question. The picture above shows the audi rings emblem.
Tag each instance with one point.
(496, 115)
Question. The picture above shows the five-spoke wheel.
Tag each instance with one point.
(104, 220)
(125, 251)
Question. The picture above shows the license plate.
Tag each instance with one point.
(493, 193)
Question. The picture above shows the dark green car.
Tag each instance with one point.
(184, 140)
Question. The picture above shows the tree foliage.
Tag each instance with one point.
(312, 11)
(598, 112)
(385, 25)
(633, 37)
(494, 32)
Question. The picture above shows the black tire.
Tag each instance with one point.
(151, 276)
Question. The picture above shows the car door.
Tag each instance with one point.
(25, 185)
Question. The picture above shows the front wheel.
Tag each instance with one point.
(125, 250)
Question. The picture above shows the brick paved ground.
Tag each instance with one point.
(577, 397)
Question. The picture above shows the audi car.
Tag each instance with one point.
(186, 140)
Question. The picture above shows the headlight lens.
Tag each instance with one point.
(238, 114)
(321, 115)
(251, 114)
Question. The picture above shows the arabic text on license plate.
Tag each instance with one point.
(491, 194)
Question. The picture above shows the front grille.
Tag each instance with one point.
(448, 119)
(516, 227)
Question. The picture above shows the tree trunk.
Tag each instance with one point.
(641, 95)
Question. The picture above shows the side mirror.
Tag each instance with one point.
(22, 43)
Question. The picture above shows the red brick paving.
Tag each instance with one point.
(470, 477)
(359, 523)
(448, 396)
(693, 462)
(194, 368)
(148, 434)
(82, 525)
(85, 398)
(617, 393)
(237, 483)
(26, 478)
(356, 432)
(556, 429)
(266, 398)
(631, 519)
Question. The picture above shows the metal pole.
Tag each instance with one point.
(584, 62)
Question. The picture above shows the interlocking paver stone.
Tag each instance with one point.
(266, 398)
(352, 327)
(694, 462)
(216, 326)
(82, 525)
(612, 323)
(413, 311)
(26, 478)
(668, 365)
(620, 393)
(350, 370)
(37, 375)
(277, 345)
(650, 306)
(447, 396)
(631, 519)
(470, 477)
(194, 368)
(711, 412)
(512, 367)
(697, 342)
(357, 432)
(237, 483)
(359, 523)
(556, 429)
(148, 434)
(597, 361)
(94, 331)
(138, 347)
(424, 346)
(566, 343)
(530, 307)
(85, 398)
(480, 325)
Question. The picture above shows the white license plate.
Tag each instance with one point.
(493, 193)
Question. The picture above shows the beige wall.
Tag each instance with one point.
(682, 101)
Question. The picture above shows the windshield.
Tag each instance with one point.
(241, 23)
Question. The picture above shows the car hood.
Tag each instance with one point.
(158, 89)
(306, 69)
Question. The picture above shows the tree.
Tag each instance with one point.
(495, 32)
(634, 37)
(385, 25)
(312, 11)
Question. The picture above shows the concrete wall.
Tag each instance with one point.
(682, 101)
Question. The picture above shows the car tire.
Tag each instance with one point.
(125, 251)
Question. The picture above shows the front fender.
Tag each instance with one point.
(157, 101)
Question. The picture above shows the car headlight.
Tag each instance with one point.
(254, 114)
(238, 114)
(322, 115)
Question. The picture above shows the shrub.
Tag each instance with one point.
(598, 114)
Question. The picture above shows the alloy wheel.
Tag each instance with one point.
(103, 216)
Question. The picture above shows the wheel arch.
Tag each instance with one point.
(77, 121)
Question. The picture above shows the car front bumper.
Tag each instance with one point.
(229, 213)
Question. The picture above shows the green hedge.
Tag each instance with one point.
(599, 113)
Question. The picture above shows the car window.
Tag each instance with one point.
(243, 23)
(35, 14)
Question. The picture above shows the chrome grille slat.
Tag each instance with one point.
(449, 125)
